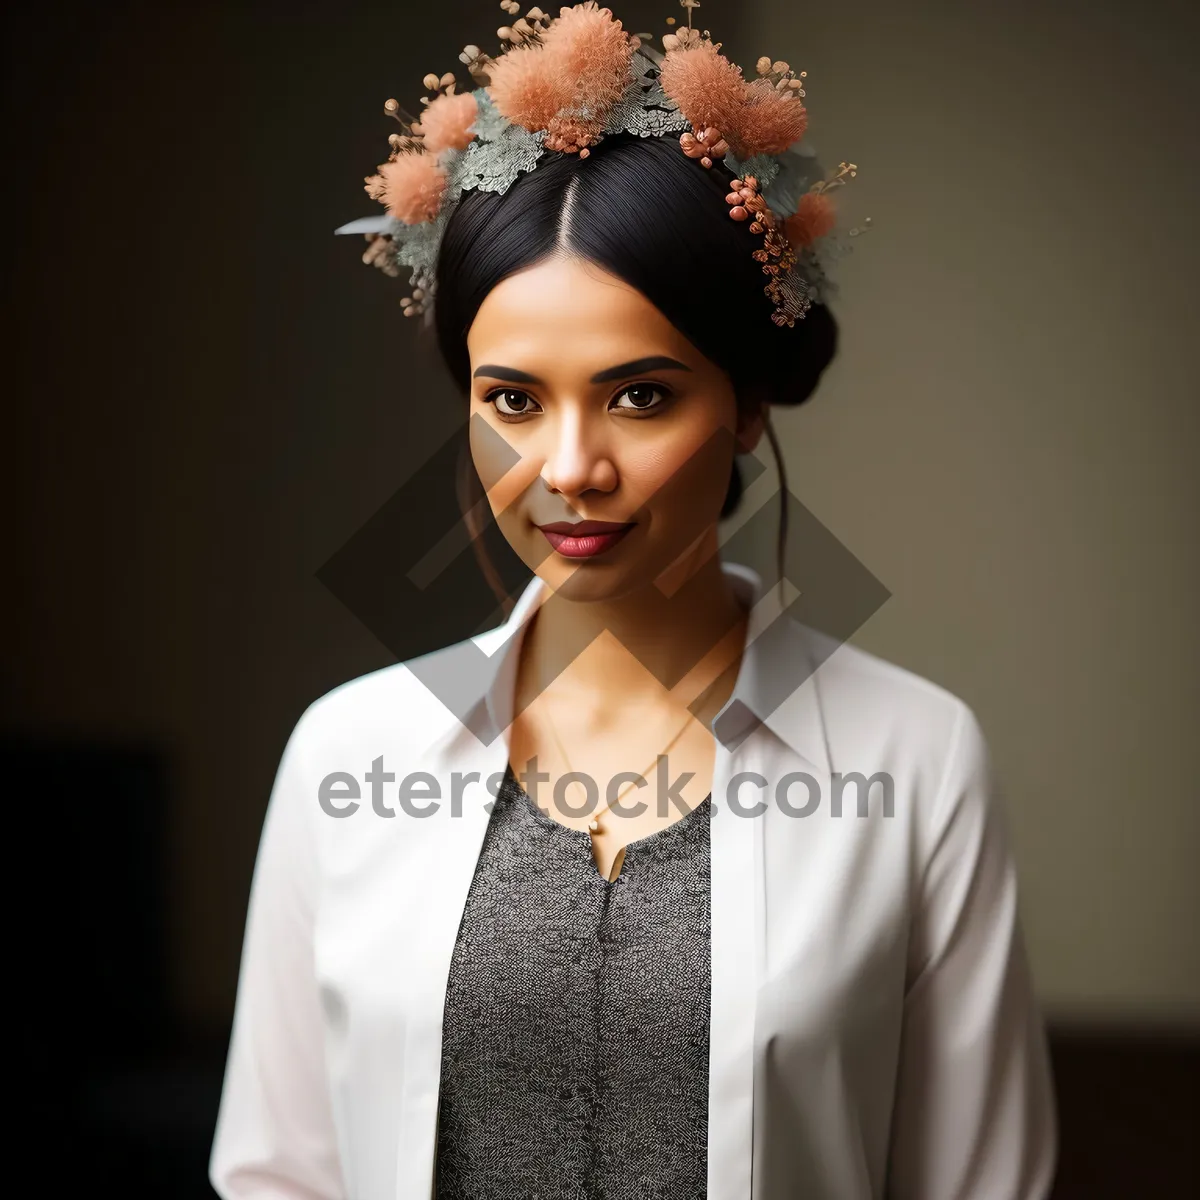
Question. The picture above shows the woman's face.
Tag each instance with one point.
(588, 405)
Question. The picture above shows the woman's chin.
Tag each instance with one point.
(588, 581)
(596, 579)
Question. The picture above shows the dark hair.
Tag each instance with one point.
(645, 212)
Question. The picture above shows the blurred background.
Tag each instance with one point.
(212, 395)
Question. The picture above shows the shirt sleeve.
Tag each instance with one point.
(275, 1136)
(974, 1115)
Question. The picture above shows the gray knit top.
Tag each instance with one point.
(576, 1027)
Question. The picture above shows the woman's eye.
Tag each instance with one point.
(642, 397)
(511, 403)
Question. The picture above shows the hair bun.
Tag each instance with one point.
(799, 358)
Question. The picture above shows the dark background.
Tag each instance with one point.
(202, 380)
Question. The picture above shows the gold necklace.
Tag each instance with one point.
(594, 823)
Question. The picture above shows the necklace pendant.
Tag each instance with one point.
(594, 825)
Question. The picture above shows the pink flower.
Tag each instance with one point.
(527, 87)
(411, 186)
(580, 66)
(770, 120)
(754, 118)
(814, 218)
(446, 121)
(593, 51)
(708, 88)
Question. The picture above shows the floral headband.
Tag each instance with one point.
(564, 83)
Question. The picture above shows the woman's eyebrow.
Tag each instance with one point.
(655, 362)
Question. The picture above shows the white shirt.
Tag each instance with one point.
(873, 1029)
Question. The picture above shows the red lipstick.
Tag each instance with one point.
(584, 539)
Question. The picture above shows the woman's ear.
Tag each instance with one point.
(751, 421)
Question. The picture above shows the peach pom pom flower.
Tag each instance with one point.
(763, 117)
(707, 87)
(411, 186)
(568, 81)
(815, 217)
(446, 122)
(527, 87)
(770, 120)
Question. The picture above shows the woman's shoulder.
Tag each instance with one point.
(878, 711)
(417, 700)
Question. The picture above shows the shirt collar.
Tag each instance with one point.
(776, 687)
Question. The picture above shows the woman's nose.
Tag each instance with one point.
(577, 457)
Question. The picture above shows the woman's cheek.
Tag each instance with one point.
(505, 468)
(685, 481)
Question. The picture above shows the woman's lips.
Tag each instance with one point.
(584, 539)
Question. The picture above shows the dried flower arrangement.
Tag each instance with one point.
(564, 83)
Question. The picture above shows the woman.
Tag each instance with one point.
(579, 907)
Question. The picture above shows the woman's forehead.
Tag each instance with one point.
(571, 310)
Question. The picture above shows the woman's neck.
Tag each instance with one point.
(677, 639)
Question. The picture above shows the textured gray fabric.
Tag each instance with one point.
(576, 1032)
